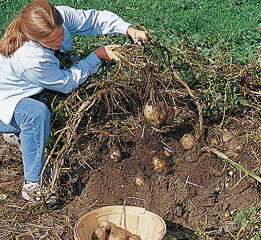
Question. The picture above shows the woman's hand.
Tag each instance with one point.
(106, 52)
(138, 36)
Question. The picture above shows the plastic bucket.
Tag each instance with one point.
(137, 220)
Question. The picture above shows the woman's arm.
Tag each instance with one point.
(92, 22)
(47, 74)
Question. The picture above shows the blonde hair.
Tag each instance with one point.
(36, 22)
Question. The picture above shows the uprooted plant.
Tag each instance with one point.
(164, 78)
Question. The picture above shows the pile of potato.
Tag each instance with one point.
(109, 231)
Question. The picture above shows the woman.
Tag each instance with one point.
(28, 65)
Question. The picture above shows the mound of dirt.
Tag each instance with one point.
(196, 188)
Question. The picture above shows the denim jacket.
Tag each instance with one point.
(32, 67)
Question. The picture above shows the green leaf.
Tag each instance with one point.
(3, 196)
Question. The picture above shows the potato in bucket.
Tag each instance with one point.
(134, 220)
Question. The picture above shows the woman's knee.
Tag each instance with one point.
(43, 112)
(33, 110)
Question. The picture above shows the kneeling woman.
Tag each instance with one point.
(28, 65)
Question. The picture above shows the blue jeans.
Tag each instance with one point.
(31, 120)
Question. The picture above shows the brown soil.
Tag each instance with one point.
(196, 190)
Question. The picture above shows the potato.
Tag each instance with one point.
(99, 234)
(187, 141)
(159, 164)
(128, 233)
(117, 233)
(105, 225)
(115, 154)
(235, 147)
(155, 113)
(168, 153)
(227, 135)
(139, 181)
(134, 237)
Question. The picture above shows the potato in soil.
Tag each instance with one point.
(155, 113)
(167, 153)
(115, 154)
(187, 141)
(140, 180)
(159, 164)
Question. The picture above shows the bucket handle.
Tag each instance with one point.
(162, 232)
(140, 199)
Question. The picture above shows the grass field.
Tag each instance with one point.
(213, 26)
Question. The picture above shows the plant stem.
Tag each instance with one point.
(235, 164)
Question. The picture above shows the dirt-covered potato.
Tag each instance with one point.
(117, 233)
(155, 113)
(227, 135)
(187, 141)
(139, 181)
(159, 164)
(115, 154)
(168, 153)
(235, 147)
(134, 237)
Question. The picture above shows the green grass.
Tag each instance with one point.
(214, 26)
